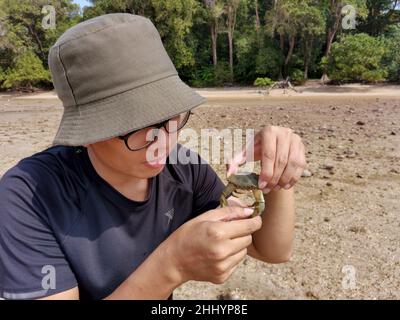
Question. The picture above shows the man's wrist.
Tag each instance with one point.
(167, 265)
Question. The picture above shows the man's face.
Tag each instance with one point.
(144, 163)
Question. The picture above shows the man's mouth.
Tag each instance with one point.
(156, 163)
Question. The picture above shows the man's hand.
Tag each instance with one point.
(282, 156)
(209, 247)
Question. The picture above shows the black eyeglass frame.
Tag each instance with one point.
(158, 126)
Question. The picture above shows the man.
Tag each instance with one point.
(94, 217)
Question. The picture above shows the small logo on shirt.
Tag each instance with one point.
(170, 215)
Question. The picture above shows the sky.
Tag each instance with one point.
(82, 3)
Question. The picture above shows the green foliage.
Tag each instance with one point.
(269, 61)
(211, 75)
(392, 57)
(203, 76)
(222, 74)
(297, 77)
(263, 82)
(28, 71)
(382, 16)
(174, 19)
(23, 21)
(25, 44)
(296, 19)
(357, 58)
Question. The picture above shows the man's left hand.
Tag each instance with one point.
(282, 156)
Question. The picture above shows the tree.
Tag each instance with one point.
(357, 58)
(27, 72)
(231, 8)
(23, 21)
(294, 19)
(392, 57)
(312, 26)
(381, 14)
(174, 20)
(25, 39)
(334, 17)
(99, 7)
(215, 10)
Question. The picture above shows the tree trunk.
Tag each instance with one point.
(230, 39)
(307, 56)
(282, 43)
(329, 41)
(257, 17)
(214, 38)
(292, 41)
(230, 24)
(213, 32)
(330, 37)
(306, 71)
(39, 43)
(335, 9)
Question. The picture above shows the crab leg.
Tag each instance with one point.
(225, 194)
(259, 203)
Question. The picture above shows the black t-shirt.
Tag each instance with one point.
(62, 225)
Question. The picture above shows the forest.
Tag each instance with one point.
(222, 42)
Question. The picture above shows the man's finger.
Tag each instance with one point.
(235, 259)
(268, 154)
(238, 244)
(281, 160)
(300, 167)
(296, 176)
(291, 167)
(240, 228)
(236, 202)
(226, 214)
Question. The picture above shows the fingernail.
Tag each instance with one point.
(266, 191)
(288, 186)
(262, 184)
(248, 211)
(277, 188)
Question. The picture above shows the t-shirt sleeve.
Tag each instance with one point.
(207, 187)
(32, 263)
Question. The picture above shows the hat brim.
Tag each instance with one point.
(122, 113)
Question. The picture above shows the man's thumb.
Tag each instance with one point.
(227, 214)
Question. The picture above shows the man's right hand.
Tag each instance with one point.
(210, 247)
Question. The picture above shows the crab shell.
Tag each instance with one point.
(248, 181)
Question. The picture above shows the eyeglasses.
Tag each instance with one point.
(142, 138)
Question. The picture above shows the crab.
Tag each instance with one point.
(245, 181)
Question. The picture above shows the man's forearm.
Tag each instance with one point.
(155, 279)
(275, 239)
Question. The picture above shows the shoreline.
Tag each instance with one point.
(309, 91)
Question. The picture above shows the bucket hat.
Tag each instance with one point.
(113, 75)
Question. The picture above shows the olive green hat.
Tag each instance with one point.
(114, 76)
